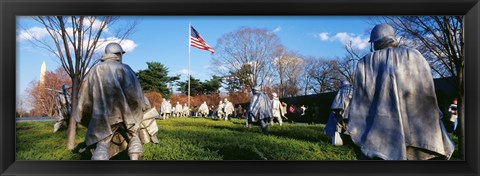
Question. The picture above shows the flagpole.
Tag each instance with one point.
(189, 35)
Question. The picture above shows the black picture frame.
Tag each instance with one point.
(9, 9)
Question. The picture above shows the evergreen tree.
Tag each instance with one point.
(155, 78)
(195, 86)
(200, 88)
(211, 86)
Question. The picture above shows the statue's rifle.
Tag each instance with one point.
(53, 90)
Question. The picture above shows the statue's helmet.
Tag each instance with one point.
(114, 48)
(255, 88)
(274, 95)
(381, 31)
(345, 83)
(65, 87)
(226, 100)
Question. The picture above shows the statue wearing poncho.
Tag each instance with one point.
(228, 109)
(63, 109)
(203, 109)
(260, 109)
(393, 113)
(339, 108)
(111, 105)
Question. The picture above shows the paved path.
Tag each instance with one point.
(34, 119)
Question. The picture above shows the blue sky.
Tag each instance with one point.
(165, 39)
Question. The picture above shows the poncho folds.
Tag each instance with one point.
(393, 113)
(340, 102)
(110, 95)
(260, 106)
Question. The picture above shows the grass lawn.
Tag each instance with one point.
(197, 139)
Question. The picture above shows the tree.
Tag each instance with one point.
(42, 96)
(246, 48)
(154, 98)
(441, 40)
(155, 78)
(236, 80)
(324, 76)
(196, 87)
(347, 65)
(21, 104)
(74, 40)
(306, 78)
(288, 67)
(213, 85)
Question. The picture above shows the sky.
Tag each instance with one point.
(164, 39)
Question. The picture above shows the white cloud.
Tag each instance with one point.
(357, 41)
(183, 71)
(39, 32)
(323, 36)
(127, 45)
(32, 33)
(278, 29)
(97, 24)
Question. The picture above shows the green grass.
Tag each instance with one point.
(197, 139)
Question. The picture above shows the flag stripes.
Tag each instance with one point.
(197, 41)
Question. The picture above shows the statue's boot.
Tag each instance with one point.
(135, 148)
(101, 152)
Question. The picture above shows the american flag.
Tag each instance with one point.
(197, 41)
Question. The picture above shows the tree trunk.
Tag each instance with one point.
(72, 126)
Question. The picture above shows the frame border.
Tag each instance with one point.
(12, 8)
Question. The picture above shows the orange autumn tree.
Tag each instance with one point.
(42, 99)
(155, 98)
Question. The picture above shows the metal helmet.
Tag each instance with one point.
(114, 48)
(274, 94)
(345, 83)
(381, 31)
(65, 86)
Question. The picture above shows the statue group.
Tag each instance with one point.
(389, 111)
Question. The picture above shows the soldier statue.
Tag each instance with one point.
(393, 114)
(203, 109)
(62, 108)
(335, 127)
(259, 109)
(111, 105)
(228, 109)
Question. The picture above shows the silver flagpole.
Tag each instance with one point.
(189, 35)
